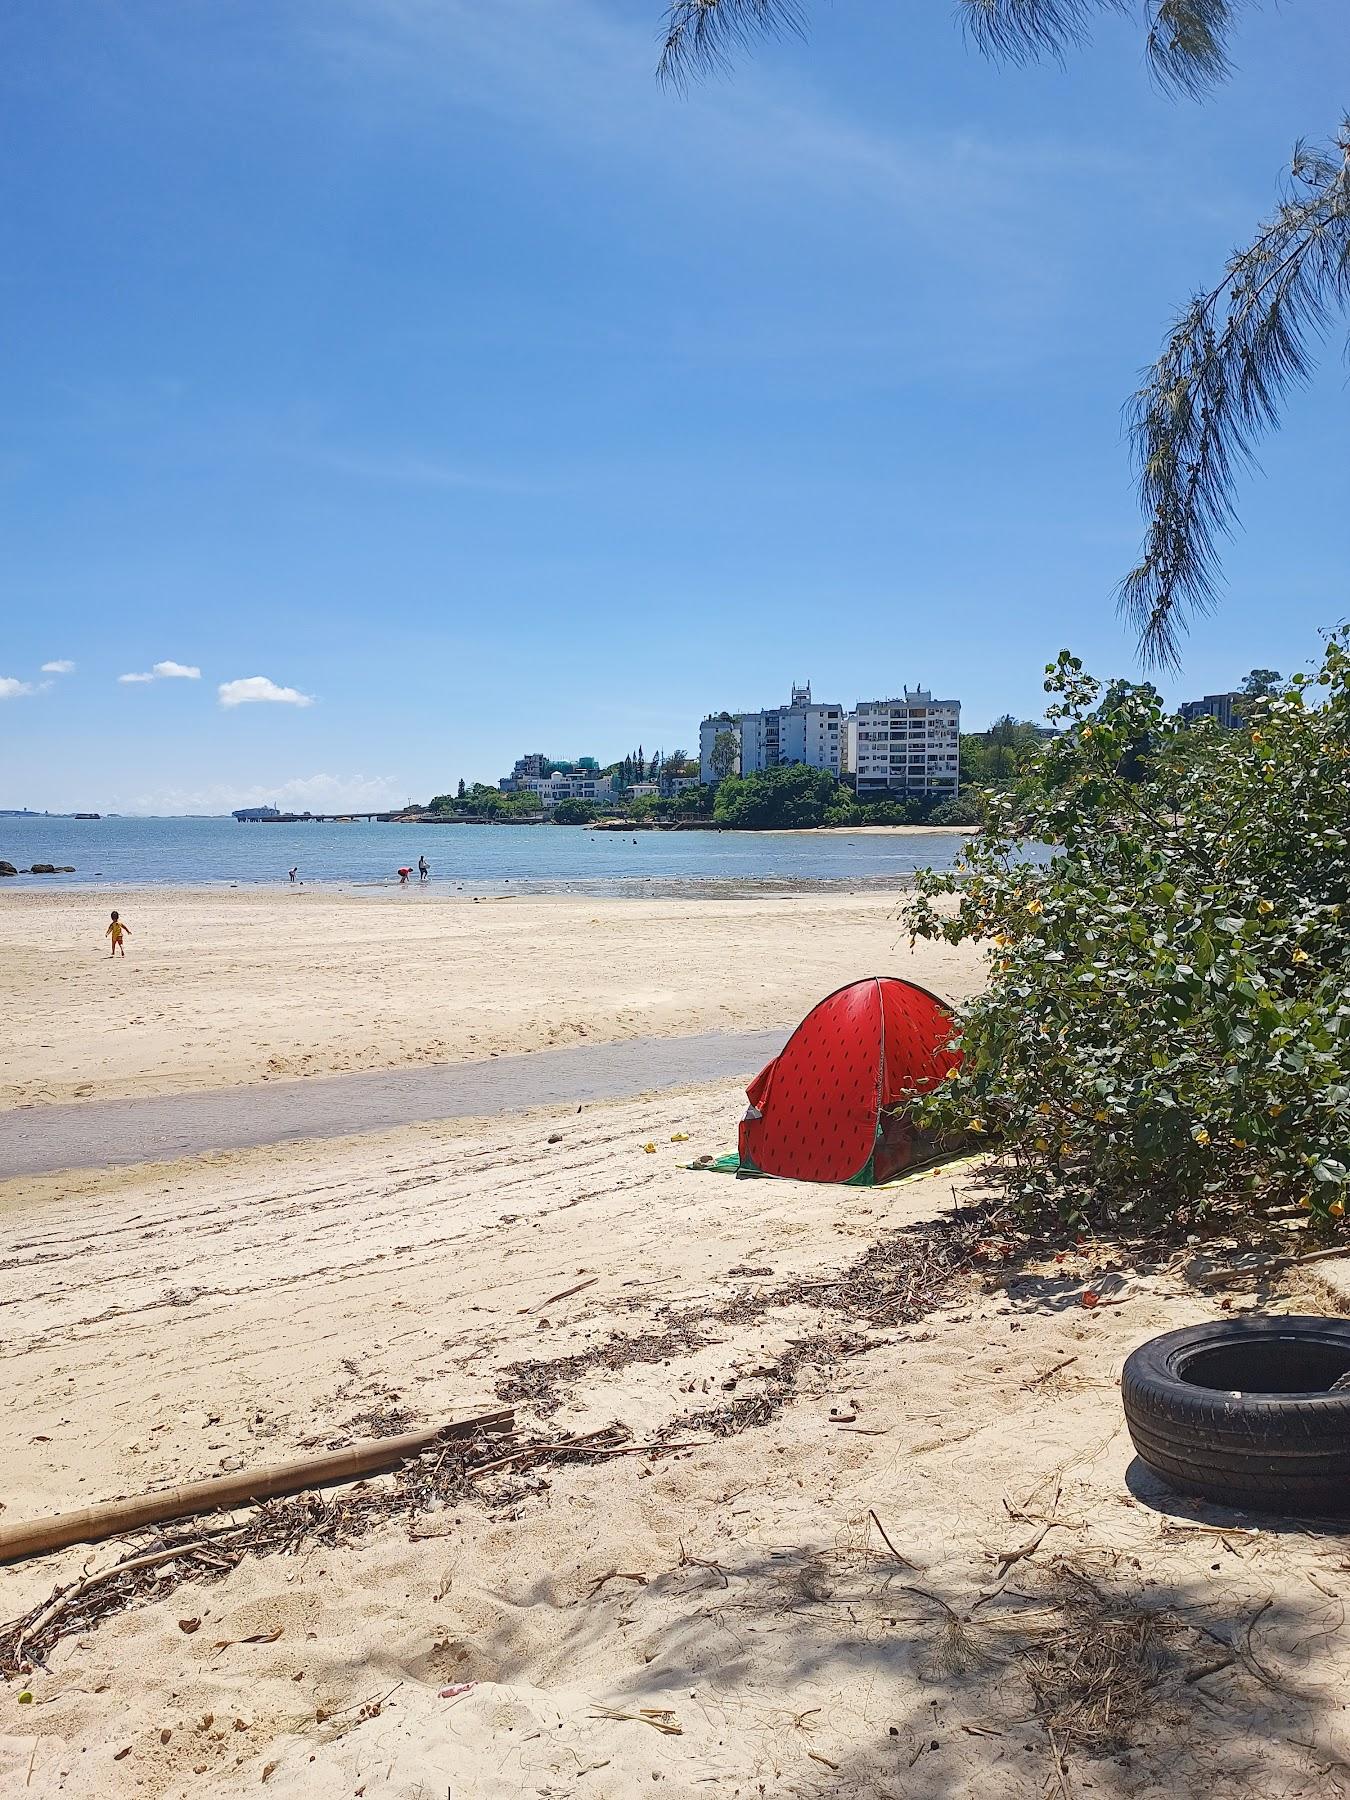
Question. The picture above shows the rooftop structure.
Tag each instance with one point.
(804, 731)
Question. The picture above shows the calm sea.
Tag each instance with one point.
(477, 858)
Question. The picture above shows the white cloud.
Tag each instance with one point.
(161, 671)
(250, 688)
(61, 666)
(11, 687)
(299, 793)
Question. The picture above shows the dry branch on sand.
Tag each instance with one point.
(446, 1475)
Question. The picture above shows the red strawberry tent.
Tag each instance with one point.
(833, 1105)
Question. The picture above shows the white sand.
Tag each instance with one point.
(167, 1322)
(222, 987)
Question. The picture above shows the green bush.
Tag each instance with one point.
(574, 811)
(964, 810)
(781, 799)
(1166, 1030)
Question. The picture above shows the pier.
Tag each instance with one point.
(267, 816)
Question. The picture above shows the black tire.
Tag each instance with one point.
(1240, 1411)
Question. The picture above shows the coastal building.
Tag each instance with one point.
(1223, 707)
(804, 731)
(710, 729)
(908, 745)
(575, 784)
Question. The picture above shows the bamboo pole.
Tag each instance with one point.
(369, 1456)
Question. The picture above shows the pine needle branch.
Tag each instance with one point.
(1184, 43)
(1184, 40)
(1231, 359)
(701, 34)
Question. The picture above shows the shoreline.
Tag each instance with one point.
(226, 987)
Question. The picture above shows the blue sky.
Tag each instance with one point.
(428, 361)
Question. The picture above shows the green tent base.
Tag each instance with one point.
(732, 1165)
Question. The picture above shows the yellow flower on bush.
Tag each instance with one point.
(1042, 1144)
(1336, 1209)
(1299, 956)
(975, 1125)
(1034, 907)
(1265, 906)
(1101, 1117)
(1200, 1135)
(1275, 1108)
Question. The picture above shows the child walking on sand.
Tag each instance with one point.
(117, 931)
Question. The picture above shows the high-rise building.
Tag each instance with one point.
(909, 745)
(804, 731)
(1214, 706)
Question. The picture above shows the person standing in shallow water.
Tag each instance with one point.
(117, 931)
(423, 869)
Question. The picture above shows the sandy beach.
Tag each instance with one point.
(725, 1616)
(870, 1492)
(222, 986)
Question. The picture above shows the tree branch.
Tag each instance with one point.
(1231, 359)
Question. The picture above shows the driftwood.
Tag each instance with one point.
(370, 1456)
(1271, 1265)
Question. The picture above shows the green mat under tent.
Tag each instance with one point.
(732, 1165)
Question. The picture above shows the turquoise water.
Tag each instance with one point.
(476, 858)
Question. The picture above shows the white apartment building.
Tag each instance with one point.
(803, 731)
(910, 745)
(581, 784)
(708, 733)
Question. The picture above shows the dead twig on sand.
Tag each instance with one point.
(566, 1294)
(1061, 1773)
(1271, 1266)
(903, 1561)
(615, 1575)
(689, 1561)
(36, 1625)
(1006, 1558)
(660, 1718)
(1054, 1370)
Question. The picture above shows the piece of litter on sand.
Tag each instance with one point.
(456, 1690)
